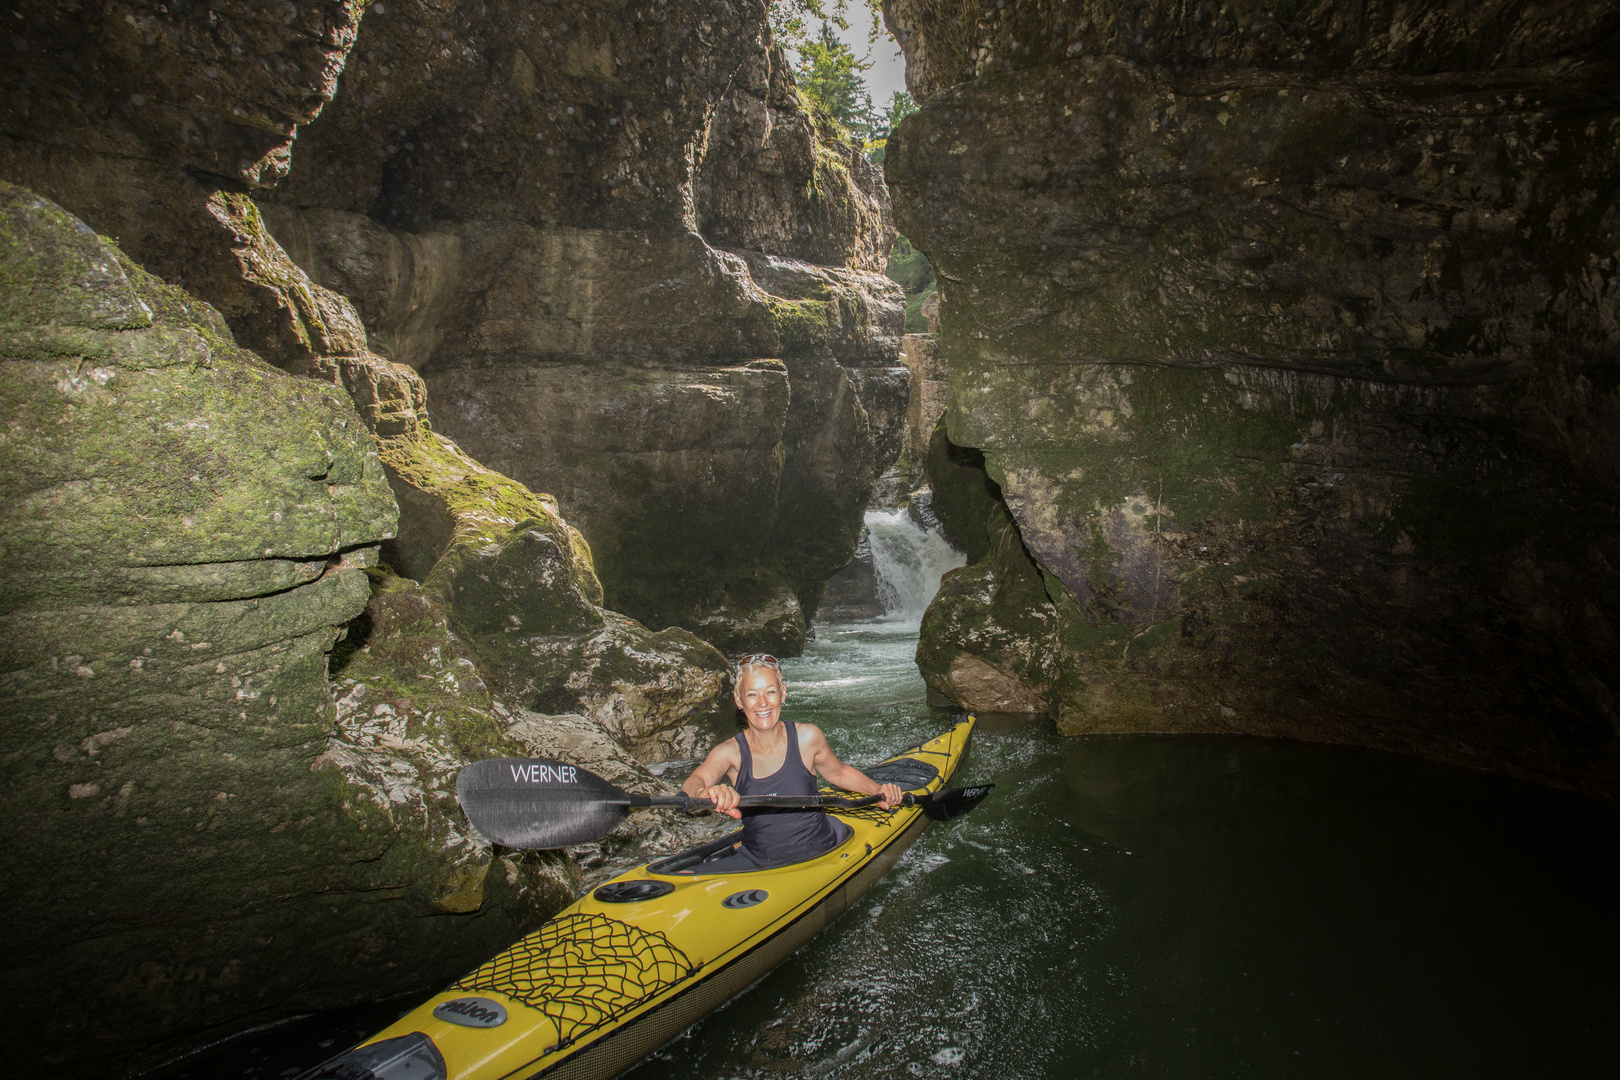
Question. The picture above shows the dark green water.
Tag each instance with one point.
(1189, 907)
(1165, 907)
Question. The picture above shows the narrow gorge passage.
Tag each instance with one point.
(1221, 397)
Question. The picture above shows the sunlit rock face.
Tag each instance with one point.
(634, 273)
(1291, 345)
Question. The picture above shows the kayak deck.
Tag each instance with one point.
(605, 982)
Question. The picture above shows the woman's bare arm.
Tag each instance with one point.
(709, 780)
(813, 744)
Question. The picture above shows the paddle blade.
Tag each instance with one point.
(536, 803)
(946, 805)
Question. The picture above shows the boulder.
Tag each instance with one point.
(988, 639)
(852, 594)
(518, 584)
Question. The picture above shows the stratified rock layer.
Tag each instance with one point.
(632, 206)
(1289, 344)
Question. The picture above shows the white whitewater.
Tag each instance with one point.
(908, 560)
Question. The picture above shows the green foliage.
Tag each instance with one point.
(916, 321)
(901, 106)
(830, 78)
(911, 269)
(788, 18)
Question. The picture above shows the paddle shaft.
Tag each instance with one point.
(781, 802)
(537, 804)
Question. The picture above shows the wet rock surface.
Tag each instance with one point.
(1285, 341)
(853, 592)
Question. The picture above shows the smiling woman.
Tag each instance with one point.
(772, 756)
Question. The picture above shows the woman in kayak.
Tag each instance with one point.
(758, 761)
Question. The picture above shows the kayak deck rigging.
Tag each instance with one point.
(583, 971)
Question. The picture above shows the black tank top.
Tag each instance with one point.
(782, 836)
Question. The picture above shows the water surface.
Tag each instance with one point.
(1188, 907)
(1162, 907)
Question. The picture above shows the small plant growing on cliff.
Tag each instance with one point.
(830, 79)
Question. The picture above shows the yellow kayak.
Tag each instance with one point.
(635, 962)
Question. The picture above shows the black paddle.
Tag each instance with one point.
(534, 803)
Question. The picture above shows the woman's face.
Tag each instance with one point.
(759, 694)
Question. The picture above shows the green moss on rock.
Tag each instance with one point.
(187, 530)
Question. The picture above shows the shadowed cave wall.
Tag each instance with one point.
(1283, 355)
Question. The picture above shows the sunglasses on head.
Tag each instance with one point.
(753, 659)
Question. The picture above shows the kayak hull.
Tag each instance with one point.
(629, 966)
(622, 1048)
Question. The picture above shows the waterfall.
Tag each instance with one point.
(908, 560)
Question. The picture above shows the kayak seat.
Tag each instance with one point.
(705, 858)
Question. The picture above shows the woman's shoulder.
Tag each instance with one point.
(727, 749)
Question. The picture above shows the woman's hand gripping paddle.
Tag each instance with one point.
(534, 803)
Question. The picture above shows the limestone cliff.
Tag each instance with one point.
(633, 272)
(188, 531)
(1288, 339)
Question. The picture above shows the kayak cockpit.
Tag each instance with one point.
(692, 862)
(909, 773)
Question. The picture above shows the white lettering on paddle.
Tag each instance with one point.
(545, 774)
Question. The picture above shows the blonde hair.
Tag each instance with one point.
(759, 660)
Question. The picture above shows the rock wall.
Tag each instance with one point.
(1289, 342)
(188, 530)
(629, 204)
